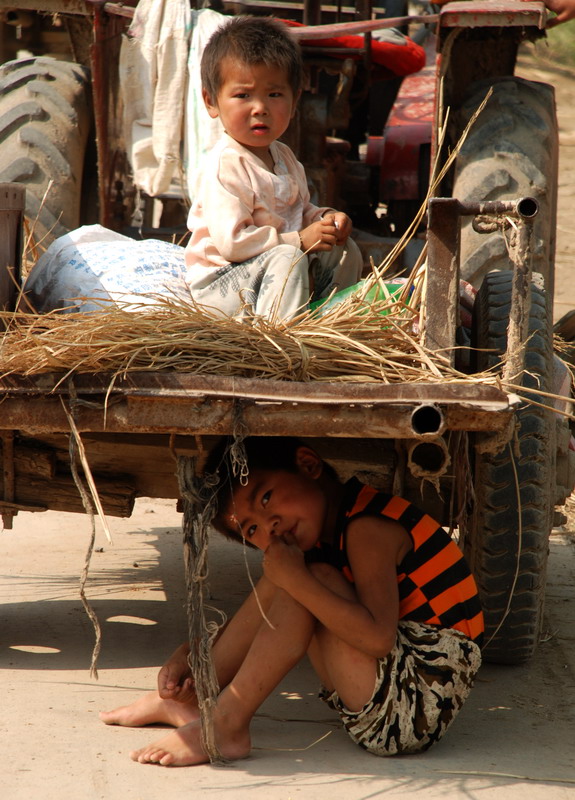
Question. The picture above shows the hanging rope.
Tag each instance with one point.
(199, 508)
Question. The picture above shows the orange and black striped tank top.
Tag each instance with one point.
(434, 581)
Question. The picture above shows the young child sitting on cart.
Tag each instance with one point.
(258, 245)
(371, 588)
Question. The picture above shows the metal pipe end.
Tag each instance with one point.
(427, 420)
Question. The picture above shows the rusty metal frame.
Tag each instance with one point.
(495, 13)
(8, 477)
(443, 275)
(179, 403)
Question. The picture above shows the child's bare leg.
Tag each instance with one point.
(170, 707)
(271, 655)
(339, 666)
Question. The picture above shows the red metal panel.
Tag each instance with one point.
(409, 127)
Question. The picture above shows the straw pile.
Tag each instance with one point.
(351, 342)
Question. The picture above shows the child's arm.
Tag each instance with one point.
(375, 546)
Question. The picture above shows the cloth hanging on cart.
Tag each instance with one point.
(153, 76)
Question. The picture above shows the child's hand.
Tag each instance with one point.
(343, 224)
(283, 560)
(320, 235)
(175, 680)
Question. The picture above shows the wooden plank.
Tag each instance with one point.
(29, 460)
(151, 467)
(61, 494)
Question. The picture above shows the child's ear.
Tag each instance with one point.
(308, 462)
(211, 107)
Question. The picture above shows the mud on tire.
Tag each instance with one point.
(45, 121)
(507, 543)
(511, 152)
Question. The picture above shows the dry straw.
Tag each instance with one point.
(352, 341)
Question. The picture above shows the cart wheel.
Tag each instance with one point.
(511, 152)
(507, 540)
(45, 122)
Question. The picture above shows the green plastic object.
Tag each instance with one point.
(389, 291)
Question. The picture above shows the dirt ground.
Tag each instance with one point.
(513, 739)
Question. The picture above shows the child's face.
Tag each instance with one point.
(274, 503)
(255, 104)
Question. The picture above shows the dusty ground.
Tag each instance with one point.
(514, 738)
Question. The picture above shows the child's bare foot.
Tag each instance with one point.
(150, 709)
(183, 748)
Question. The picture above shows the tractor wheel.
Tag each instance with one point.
(506, 543)
(45, 122)
(511, 152)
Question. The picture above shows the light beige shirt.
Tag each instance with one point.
(243, 209)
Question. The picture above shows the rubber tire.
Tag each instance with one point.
(511, 152)
(492, 542)
(45, 122)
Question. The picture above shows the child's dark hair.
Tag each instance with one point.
(270, 453)
(251, 40)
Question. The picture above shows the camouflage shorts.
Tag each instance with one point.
(420, 687)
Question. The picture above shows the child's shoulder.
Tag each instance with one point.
(228, 160)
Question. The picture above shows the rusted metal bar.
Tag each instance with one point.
(363, 12)
(186, 387)
(12, 203)
(522, 208)
(7, 437)
(441, 297)
(518, 327)
(217, 416)
(442, 287)
(101, 100)
(311, 12)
